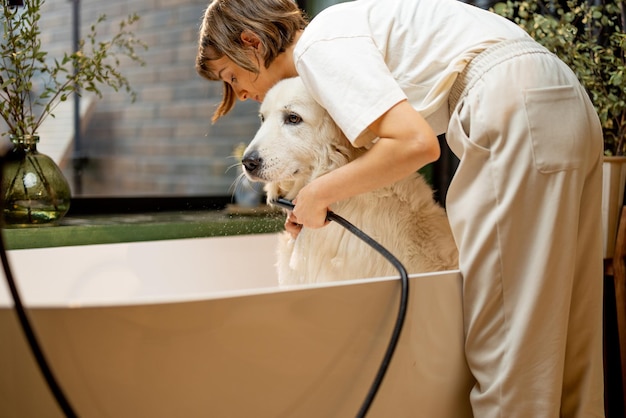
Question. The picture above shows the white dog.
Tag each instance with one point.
(298, 142)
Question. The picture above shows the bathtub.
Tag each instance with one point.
(199, 328)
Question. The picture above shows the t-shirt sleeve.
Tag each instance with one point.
(349, 78)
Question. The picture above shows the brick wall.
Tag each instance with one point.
(163, 143)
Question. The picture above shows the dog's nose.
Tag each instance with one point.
(252, 161)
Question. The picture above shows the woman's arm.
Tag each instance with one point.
(406, 143)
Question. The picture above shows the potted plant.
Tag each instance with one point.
(591, 39)
(31, 86)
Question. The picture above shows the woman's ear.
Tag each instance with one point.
(250, 39)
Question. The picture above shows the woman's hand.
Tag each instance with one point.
(310, 209)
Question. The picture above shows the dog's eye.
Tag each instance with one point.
(262, 118)
(292, 119)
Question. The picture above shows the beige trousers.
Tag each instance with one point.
(524, 206)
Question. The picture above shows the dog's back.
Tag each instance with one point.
(299, 142)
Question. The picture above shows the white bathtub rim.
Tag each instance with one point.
(93, 302)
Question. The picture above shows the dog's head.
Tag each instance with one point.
(296, 143)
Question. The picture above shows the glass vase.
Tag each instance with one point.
(35, 191)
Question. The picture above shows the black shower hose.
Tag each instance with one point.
(65, 405)
(29, 333)
(404, 296)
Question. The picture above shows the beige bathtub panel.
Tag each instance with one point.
(311, 352)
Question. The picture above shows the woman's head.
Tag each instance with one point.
(226, 28)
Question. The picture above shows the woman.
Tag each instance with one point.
(524, 204)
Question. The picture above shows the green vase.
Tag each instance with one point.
(35, 190)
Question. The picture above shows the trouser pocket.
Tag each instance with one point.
(556, 119)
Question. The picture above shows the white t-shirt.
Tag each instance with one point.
(360, 58)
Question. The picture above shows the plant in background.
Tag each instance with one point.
(34, 190)
(591, 39)
(24, 65)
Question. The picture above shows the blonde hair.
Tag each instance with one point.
(274, 22)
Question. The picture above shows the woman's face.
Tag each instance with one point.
(246, 84)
